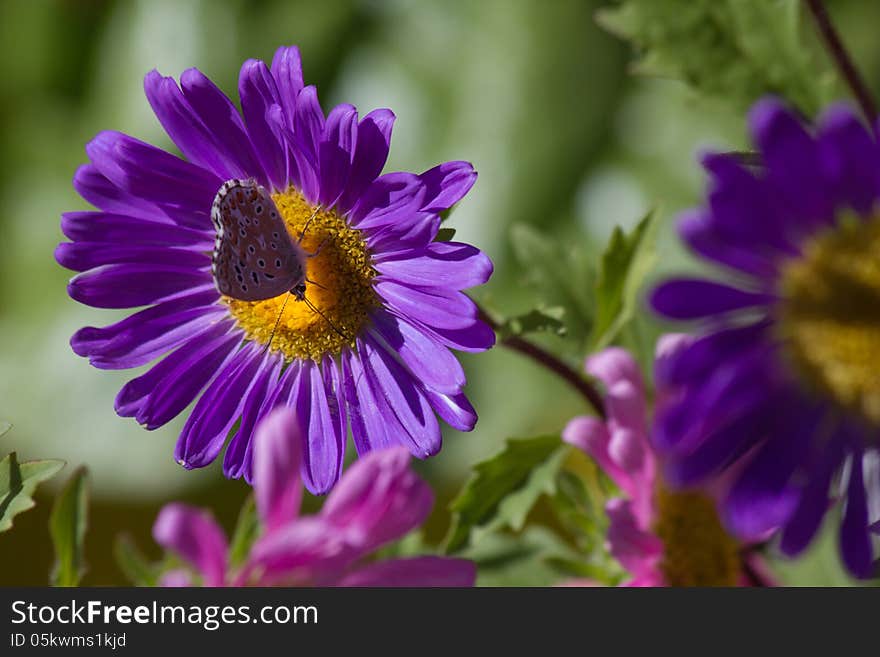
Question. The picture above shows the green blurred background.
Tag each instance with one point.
(532, 92)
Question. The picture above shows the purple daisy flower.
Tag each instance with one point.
(781, 389)
(369, 345)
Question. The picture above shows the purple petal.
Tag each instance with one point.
(792, 159)
(379, 499)
(223, 121)
(218, 409)
(448, 309)
(428, 361)
(82, 256)
(403, 401)
(269, 393)
(193, 534)
(308, 125)
(368, 428)
(393, 199)
(183, 125)
(287, 71)
(694, 298)
(455, 409)
(370, 155)
(813, 505)
(153, 174)
(852, 156)
(159, 395)
(323, 444)
(444, 265)
(855, 540)
(434, 572)
(335, 152)
(447, 184)
(122, 229)
(258, 94)
(700, 235)
(104, 195)
(126, 285)
(636, 549)
(144, 336)
(277, 463)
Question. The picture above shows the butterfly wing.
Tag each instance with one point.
(254, 256)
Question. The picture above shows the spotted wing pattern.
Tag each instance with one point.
(254, 256)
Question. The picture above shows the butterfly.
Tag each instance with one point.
(254, 256)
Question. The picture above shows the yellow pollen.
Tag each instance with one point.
(339, 285)
(696, 549)
(830, 316)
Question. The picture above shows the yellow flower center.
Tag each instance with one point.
(830, 316)
(338, 288)
(696, 549)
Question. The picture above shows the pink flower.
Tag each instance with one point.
(662, 537)
(378, 500)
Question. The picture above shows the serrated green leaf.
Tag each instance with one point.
(18, 481)
(539, 320)
(445, 235)
(627, 259)
(67, 527)
(133, 564)
(738, 50)
(504, 488)
(4, 427)
(247, 527)
(562, 275)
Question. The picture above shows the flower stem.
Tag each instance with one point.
(842, 59)
(545, 359)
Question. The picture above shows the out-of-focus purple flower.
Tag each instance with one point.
(378, 500)
(661, 537)
(782, 383)
(372, 348)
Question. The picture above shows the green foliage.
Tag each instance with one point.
(736, 49)
(18, 481)
(4, 427)
(445, 235)
(626, 262)
(561, 274)
(539, 320)
(527, 559)
(133, 564)
(247, 527)
(67, 527)
(504, 488)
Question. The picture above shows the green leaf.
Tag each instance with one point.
(627, 260)
(504, 488)
(522, 560)
(4, 427)
(247, 527)
(738, 50)
(539, 320)
(134, 565)
(562, 275)
(18, 481)
(67, 527)
(445, 235)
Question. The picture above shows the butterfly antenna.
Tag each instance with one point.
(277, 321)
(313, 308)
(302, 233)
(316, 284)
